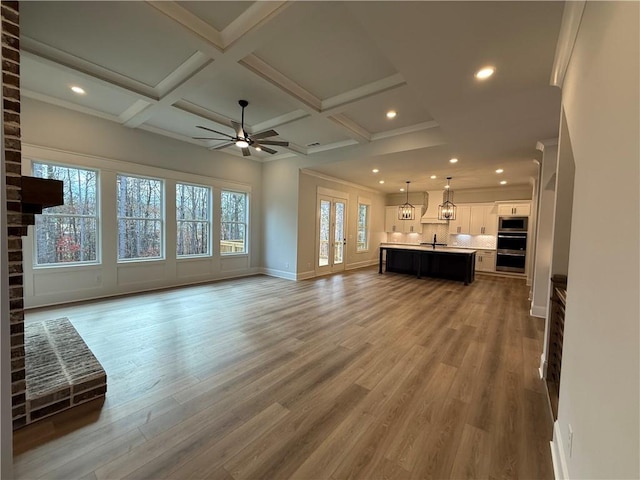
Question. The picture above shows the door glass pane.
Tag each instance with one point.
(338, 255)
(325, 214)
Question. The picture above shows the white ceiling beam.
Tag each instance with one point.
(254, 16)
(190, 22)
(284, 83)
(48, 55)
(357, 132)
(331, 104)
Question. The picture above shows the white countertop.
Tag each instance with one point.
(426, 248)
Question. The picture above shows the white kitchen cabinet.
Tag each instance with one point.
(483, 220)
(393, 225)
(514, 209)
(462, 222)
(485, 261)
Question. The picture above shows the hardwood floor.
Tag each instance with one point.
(357, 375)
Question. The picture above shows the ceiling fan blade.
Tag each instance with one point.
(238, 129)
(224, 145)
(211, 138)
(265, 149)
(274, 142)
(246, 152)
(214, 131)
(265, 134)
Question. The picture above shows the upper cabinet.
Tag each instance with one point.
(475, 220)
(514, 209)
(484, 220)
(393, 225)
(462, 222)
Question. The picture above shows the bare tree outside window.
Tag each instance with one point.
(233, 223)
(139, 217)
(194, 220)
(68, 233)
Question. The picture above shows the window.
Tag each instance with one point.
(68, 233)
(192, 215)
(362, 244)
(139, 218)
(233, 206)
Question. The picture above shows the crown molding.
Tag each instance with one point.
(549, 142)
(355, 130)
(571, 18)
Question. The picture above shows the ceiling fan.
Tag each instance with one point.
(244, 140)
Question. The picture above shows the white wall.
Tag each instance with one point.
(565, 175)
(544, 235)
(280, 217)
(599, 390)
(59, 135)
(307, 228)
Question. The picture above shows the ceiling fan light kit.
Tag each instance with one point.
(244, 140)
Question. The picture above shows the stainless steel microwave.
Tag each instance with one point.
(513, 224)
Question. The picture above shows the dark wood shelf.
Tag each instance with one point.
(39, 193)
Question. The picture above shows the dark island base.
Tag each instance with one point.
(426, 263)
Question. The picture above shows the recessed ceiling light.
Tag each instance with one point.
(503, 182)
(375, 170)
(500, 170)
(433, 177)
(402, 189)
(447, 186)
(381, 182)
(453, 160)
(391, 114)
(484, 73)
(78, 90)
(258, 148)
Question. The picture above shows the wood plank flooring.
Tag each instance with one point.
(356, 375)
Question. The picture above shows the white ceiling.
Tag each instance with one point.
(323, 74)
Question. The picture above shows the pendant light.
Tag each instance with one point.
(447, 211)
(406, 211)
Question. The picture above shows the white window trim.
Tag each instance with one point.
(161, 219)
(364, 201)
(209, 221)
(245, 223)
(97, 216)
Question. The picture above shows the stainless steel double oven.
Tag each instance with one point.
(512, 244)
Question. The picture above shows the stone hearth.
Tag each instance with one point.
(61, 370)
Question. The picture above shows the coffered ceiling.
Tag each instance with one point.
(323, 74)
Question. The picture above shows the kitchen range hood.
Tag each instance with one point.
(434, 198)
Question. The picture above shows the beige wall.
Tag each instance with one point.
(55, 134)
(600, 382)
(280, 217)
(307, 228)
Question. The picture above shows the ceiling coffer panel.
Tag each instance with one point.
(217, 14)
(219, 93)
(326, 52)
(129, 38)
(370, 113)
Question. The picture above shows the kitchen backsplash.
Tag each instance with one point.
(473, 241)
(441, 231)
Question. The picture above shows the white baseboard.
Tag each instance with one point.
(537, 311)
(365, 263)
(272, 272)
(560, 469)
(306, 275)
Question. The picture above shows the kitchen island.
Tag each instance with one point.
(440, 262)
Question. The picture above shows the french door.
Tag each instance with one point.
(331, 234)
